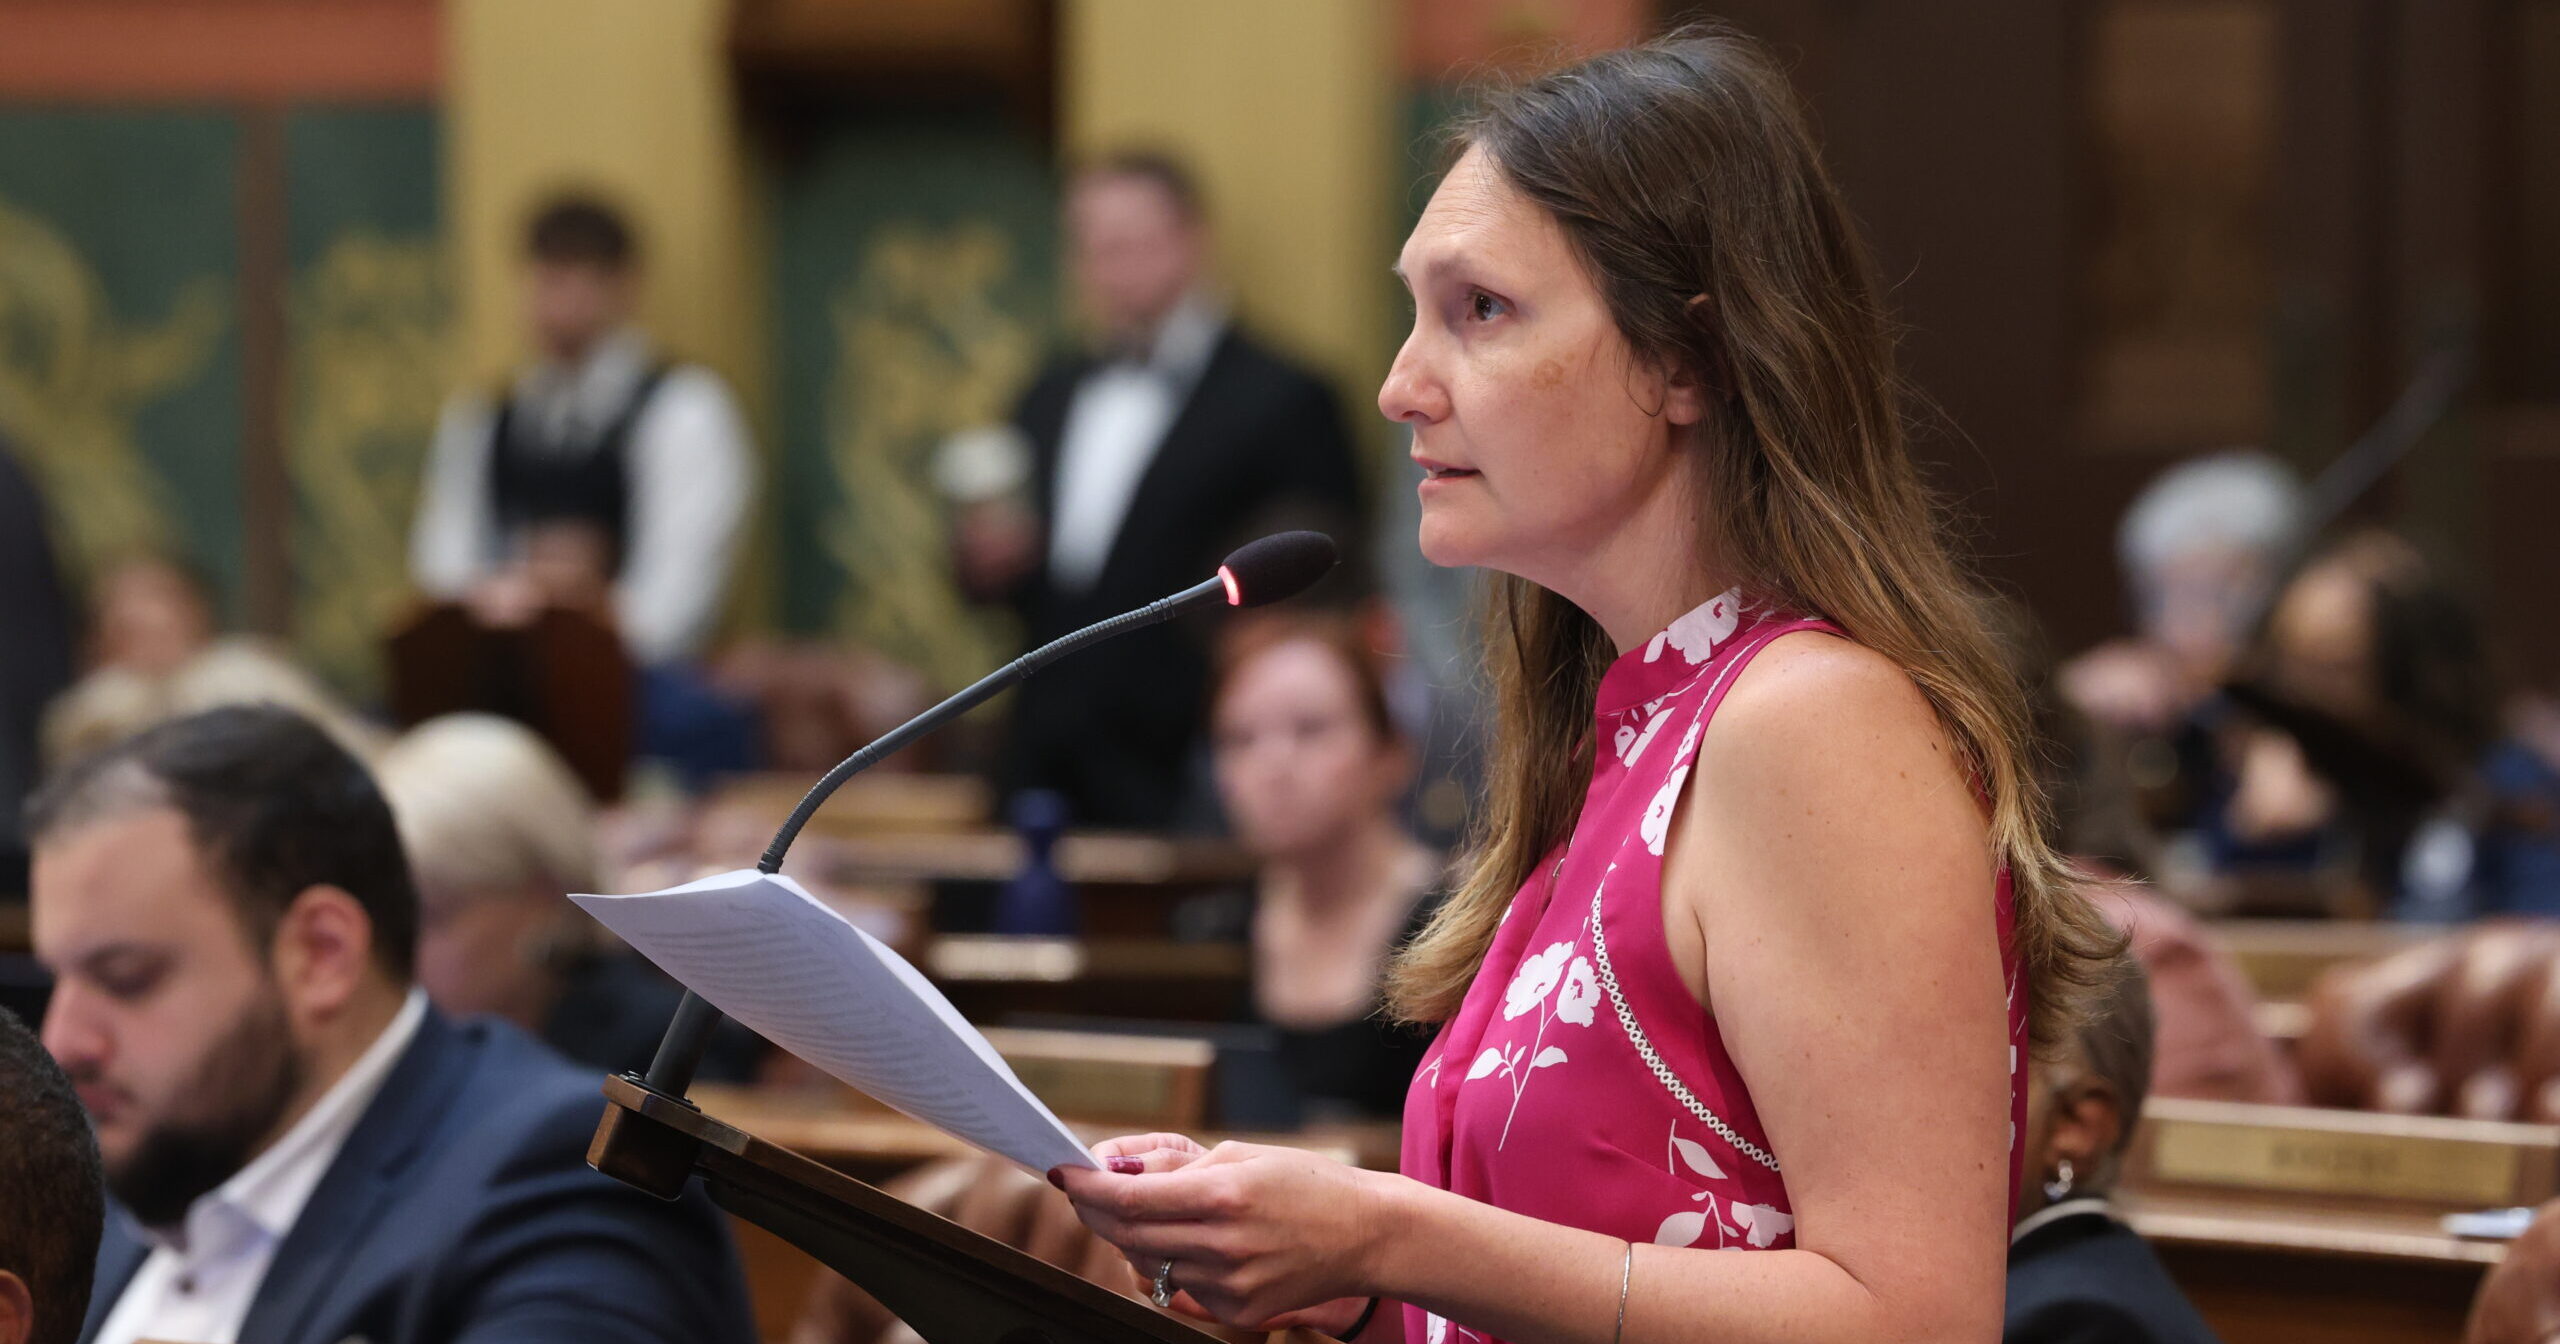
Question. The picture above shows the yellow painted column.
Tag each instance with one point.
(631, 99)
(634, 101)
(1285, 110)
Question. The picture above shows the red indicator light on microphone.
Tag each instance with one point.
(1235, 595)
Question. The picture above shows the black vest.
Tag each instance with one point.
(532, 482)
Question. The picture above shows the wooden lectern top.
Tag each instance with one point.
(950, 1285)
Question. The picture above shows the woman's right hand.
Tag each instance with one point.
(1152, 1153)
(1139, 1154)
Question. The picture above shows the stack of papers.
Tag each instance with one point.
(766, 952)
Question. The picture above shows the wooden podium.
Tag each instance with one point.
(565, 676)
(947, 1283)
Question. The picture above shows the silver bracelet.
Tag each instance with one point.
(1626, 1274)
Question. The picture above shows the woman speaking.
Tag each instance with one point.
(1735, 988)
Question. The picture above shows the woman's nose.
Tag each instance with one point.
(1410, 394)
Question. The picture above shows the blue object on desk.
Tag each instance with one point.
(1038, 900)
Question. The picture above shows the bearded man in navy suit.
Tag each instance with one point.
(301, 1150)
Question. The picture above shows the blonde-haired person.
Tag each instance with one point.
(499, 831)
(156, 655)
(1763, 914)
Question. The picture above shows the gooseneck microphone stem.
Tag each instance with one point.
(1276, 567)
(1020, 669)
(680, 1050)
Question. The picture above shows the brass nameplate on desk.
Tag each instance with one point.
(2334, 1162)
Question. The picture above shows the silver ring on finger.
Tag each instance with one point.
(1162, 1295)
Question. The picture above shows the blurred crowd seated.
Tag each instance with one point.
(2294, 768)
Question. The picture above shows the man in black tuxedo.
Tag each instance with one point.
(1174, 439)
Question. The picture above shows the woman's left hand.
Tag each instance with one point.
(1254, 1233)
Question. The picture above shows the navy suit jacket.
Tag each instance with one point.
(462, 1209)
(2088, 1279)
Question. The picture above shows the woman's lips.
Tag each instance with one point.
(1441, 471)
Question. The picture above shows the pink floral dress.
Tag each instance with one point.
(1580, 1082)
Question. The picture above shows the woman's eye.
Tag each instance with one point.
(1484, 307)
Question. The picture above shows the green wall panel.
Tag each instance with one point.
(119, 338)
(915, 294)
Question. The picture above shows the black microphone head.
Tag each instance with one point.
(1277, 567)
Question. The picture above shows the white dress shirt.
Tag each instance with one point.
(691, 480)
(1114, 425)
(200, 1277)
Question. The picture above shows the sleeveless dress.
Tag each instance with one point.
(1580, 1082)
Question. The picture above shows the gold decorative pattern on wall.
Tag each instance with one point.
(72, 376)
(373, 345)
(924, 349)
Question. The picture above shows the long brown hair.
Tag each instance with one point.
(1686, 178)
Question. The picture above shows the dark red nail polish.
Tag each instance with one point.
(1126, 1166)
(1057, 1179)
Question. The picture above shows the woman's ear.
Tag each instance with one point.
(1705, 379)
(2088, 1123)
(1684, 398)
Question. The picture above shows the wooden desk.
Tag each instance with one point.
(867, 804)
(992, 976)
(2323, 1227)
(1127, 884)
(1098, 858)
(2283, 957)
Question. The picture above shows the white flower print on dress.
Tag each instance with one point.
(1631, 740)
(1535, 977)
(1762, 1224)
(1656, 827)
(1759, 1225)
(1696, 634)
(1439, 1329)
(1581, 994)
(1530, 986)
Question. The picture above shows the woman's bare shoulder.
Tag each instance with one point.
(1814, 691)
(1827, 743)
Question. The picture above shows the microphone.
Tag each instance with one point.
(1273, 569)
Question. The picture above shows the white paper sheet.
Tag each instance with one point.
(767, 953)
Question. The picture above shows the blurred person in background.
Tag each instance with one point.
(35, 654)
(2077, 1273)
(2352, 737)
(157, 653)
(499, 833)
(301, 1149)
(2207, 1041)
(1310, 766)
(606, 478)
(52, 1200)
(2202, 549)
(1154, 451)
